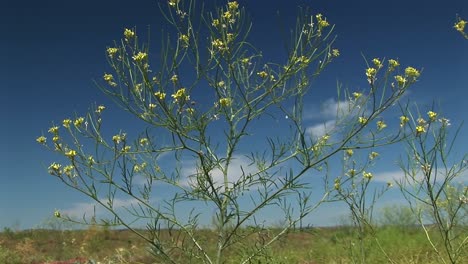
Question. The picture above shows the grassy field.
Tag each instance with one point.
(314, 245)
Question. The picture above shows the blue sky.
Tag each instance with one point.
(53, 50)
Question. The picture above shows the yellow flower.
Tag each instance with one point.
(174, 78)
(144, 141)
(66, 123)
(129, 34)
(151, 106)
(140, 56)
(185, 39)
(335, 52)
(381, 125)
(55, 167)
(432, 116)
(126, 149)
(357, 95)
(337, 184)
(190, 110)
(54, 130)
(420, 130)
(160, 95)
(393, 63)
(412, 72)
(371, 72)
(367, 175)
(362, 120)
(227, 15)
(377, 63)
(351, 173)
(262, 74)
(245, 60)
(173, 2)
(218, 43)
(180, 95)
(118, 138)
(57, 213)
(112, 51)
(100, 109)
(215, 22)
(41, 140)
(225, 102)
(403, 120)
(303, 60)
(460, 25)
(55, 138)
(373, 155)
(79, 121)
(349, 152)
(233, 5)
(71, 153)
(68, 169)
(400, 80)
(322, 23)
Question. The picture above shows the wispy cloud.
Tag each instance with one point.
(399, 176)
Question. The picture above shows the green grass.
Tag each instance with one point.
(314, 245)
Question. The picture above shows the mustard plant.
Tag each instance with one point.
(434, 188)
(211, 51)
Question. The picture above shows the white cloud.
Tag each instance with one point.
(330, 109)
(319, 130)
(239, 166)
(90, 208)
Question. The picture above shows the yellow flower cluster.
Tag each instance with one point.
(432, 115)
(367, 175)
(381, 125)
(160, 95)
(349, 152)
(118, 138)
(225, 102)
(180, 95)
(373, 155)
(357, 95)
(129, 34)
(392, 64)
(400, 80)
(100, 109)
(262, 74)
(377, 63)
(370, 73)
(460, 25)
(112, 51)
(420, 130)
(233, 5)
(335, 52)
(140, 56)
(362, 120)
(174, 78)
(66, 123)
(322, 22)
(173, 2)
(79, 121)
(351, 173)
(411, 72)
(109, 79)
(41, 140)
(53, 130)
(185, 39)
(144, 141)
(219, 44)
(71, 153)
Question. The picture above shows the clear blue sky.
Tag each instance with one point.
(51, 51)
